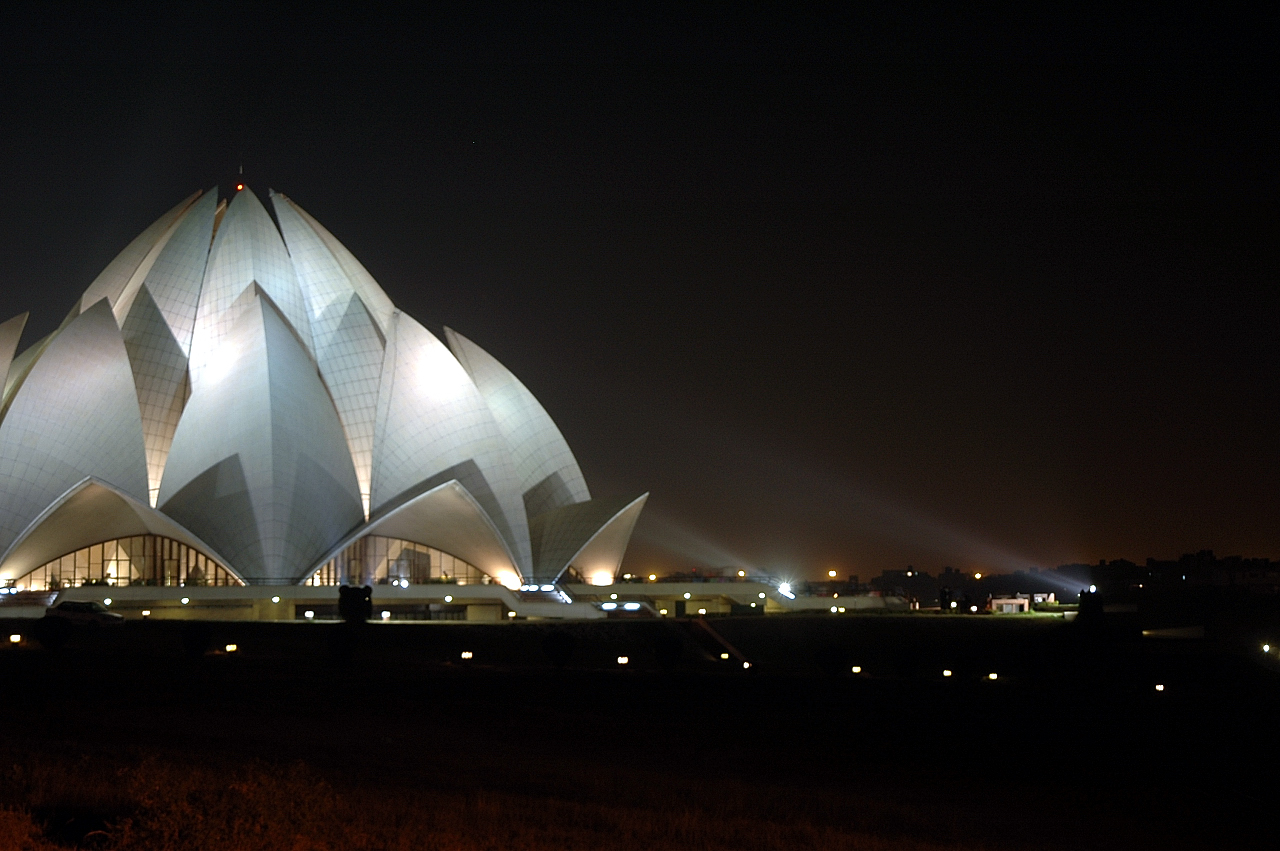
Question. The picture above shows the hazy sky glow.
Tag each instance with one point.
(847, 316)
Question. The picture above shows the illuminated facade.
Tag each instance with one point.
(234, 401)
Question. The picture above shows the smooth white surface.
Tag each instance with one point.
(433, 425)
(548, 473)
(259, 466)
(75, 416)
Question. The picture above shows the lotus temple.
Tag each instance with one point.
(234, 419)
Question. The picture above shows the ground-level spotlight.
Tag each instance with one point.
(1266, 648)
(702, 611)
(991, 676)
(15, 639)
(106, 601)
(386, 616)
(231, 648)
(857, 669)
(185, 600)
(623, 660)
(511, 614)
(308, 614)
(746, 665)
(973, 608)
(946, 672)
(146, 613)
(662, 612)
(467, 654)
(833, 610)
(448, 598)
(1160, 687)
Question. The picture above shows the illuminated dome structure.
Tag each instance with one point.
(234, 401)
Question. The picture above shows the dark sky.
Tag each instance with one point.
(840, 293)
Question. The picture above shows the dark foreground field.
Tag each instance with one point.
(317, 736)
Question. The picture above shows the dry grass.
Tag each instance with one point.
(159, 804)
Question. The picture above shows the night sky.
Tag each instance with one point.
(841, 294)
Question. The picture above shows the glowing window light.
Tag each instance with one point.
(857, 669)
(106, 601)
(308, 614)
(15, 639)
(602, 577)
(467, 654)
(231, 648)
(724, 655)
(448, 598)
(1160, 687)
(991, 676)
(631, 607)
(275, 599)
(508, 579)
(702, 611)
(185, 600)
(946, 672)
(623, 660)
(386, 616)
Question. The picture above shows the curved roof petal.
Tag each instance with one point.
(446, 517)
(259, 466)
(348, 344)
(75, 415)
(548, 473)
(591, 536)
(432, 421)
(375, 300)
(160, 375)
(247, 250)
(134, 261)
(10, 334)
(88, 513)
(175, 278)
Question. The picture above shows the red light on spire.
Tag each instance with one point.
(239, 186)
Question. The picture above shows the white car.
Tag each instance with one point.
(87, 612)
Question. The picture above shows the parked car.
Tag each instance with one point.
(86, 612)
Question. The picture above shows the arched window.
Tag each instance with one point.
(135, 560)
(375, 560)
